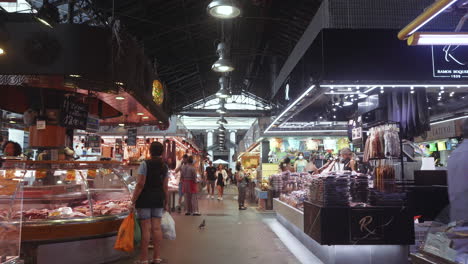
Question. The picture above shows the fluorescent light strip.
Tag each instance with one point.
(304, 131)
(428, 38)
(394, 85)
(290, 106)
(448, 120)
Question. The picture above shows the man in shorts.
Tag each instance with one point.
(210, 178)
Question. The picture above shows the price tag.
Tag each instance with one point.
(41, 124)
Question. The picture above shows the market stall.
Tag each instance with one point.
(334, 212)
(66, 204)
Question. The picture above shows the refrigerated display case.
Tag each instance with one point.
(10, 230)
(66, 201)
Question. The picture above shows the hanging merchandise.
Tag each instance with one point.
(410, 110)
(329, 144)
(432, 147)
(383, 142)
(441, 145)
(343, 143)
(384, 179)
(312, 144)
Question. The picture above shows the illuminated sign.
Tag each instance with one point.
(450, 62)
(158, 92)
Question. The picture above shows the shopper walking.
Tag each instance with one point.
(230, 176)
(241, 185)
(210, 179)
(458, 180)
(189, 176)
(150, 198)
(181, 182)
(221, 176)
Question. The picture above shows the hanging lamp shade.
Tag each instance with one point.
(224, 9)
(221, 128)
(222, 121)
(223, 64)
(222, 109)
(223, 92)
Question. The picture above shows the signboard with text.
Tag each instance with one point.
(74, 113)
(132, 137)
(440, 131)
(450, 62)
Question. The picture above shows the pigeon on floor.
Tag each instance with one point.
(202, 225)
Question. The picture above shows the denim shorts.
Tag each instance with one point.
(148, 213)
(181, 189)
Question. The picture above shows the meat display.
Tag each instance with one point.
(100, 208)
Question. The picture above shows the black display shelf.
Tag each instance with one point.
(376, 225)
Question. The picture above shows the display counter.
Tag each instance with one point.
(374, 225)
(65, 204)
(344, 220)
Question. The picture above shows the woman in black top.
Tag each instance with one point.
(221, 176)
(150, 199)
(349, 164)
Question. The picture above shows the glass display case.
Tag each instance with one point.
(10, 229)
(444, 243)
(65, 200)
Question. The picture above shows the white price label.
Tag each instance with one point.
(41, 124)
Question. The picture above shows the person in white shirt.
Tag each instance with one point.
(221, 176)
(458, 179)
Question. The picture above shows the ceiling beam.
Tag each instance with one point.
(231, 113)
(318, 22)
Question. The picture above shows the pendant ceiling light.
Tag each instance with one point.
(48, 14)
(222, 121)
(222, 93)
(222, 109)
(221, 128)
(222, 64)
(224, 9)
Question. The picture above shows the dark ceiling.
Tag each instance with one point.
(181, 37)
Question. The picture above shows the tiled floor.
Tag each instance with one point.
(230, 236)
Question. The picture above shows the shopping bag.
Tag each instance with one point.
(124, 240)
(137, 232)
(168, 227)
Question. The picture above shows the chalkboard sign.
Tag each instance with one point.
(132, 137)
(74, 113)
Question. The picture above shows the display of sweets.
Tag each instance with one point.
(296, 198)
(359, 189)
(331, 190)
(378, 198)
(297, 181)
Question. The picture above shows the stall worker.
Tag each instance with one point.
(11, 149)
(310, 167)
(347, 159)
(458, 179)
(300, 163)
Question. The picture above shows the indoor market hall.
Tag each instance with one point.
(233, 131)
